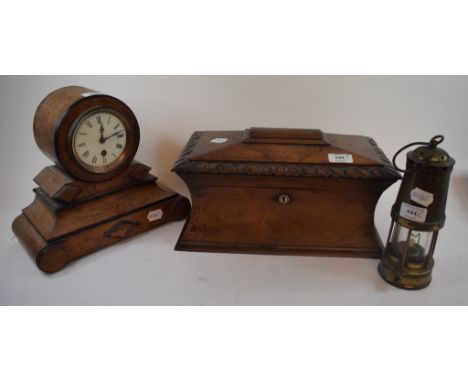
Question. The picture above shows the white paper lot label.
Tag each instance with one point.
(219, 140)
(340, 158)
(155, 215)
(410, 212)
(87, 94)
(422, 197)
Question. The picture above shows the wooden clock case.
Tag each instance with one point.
(76, 212)
(275, 191)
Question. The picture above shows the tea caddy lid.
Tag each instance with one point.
(284, 152)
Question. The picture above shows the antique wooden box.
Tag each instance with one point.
(283, 191)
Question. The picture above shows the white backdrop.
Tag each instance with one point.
(393, 110)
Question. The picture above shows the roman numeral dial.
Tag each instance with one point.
(99, 139)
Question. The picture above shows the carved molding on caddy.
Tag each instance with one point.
(185, 165)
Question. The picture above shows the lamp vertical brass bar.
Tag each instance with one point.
(403, 257)
(390, 233)
(432, 247)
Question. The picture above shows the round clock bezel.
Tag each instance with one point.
(64, 132)
(121, 157)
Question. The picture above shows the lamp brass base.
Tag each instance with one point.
(393, 272)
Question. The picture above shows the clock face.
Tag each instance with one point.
(99, 140)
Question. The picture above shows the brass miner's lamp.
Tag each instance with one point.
(417, 216)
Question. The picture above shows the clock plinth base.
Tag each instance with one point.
(55, 232)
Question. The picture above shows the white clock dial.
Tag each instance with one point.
(99, 140)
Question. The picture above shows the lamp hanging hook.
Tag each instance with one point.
(436, 140)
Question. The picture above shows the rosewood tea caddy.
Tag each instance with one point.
(283, 191)
(96, 194)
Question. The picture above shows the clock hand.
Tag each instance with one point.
(101, 130)
(118, 132)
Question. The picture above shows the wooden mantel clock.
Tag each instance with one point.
(95, 194)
